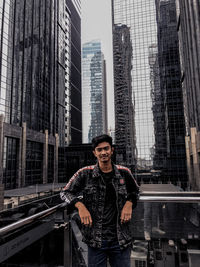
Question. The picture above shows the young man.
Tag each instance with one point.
(104, 195)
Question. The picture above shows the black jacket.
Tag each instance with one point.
(87, 186)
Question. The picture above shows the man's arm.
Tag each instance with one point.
(126, 213)
(132, 188)
(72, 192)
(84, 214)
(132, 196)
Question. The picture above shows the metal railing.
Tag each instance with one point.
(176, 197)
(13, 226)
(179, 197)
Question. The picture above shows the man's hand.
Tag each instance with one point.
(84, 214)
(126, 212)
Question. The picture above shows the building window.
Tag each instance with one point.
(50, 164)
(34, 163)
(10, 161)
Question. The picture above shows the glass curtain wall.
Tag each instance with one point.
(6, 60)
(93, 91)
(10, 162)
(34, 156)
(158, 108)
(33, 43)
(67, 76)
(32, 79)
(140, 17)
(75, 73)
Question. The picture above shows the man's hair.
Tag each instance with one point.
(100, 139)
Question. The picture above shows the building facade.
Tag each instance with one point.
(156, 89)
(73, 119)
(94, 101)
(124, 109)
(140, 18)
(34, 52)
(159, 149)
(188, 13)
(170, 84)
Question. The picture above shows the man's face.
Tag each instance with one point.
(103, 152)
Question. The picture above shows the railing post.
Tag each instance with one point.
(67, 241)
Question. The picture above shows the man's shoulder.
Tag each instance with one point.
(82, 171)
(123, 168)
(86, 168)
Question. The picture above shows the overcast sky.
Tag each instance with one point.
(97, 24)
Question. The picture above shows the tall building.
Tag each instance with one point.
(170, 84)
(140, 18)
(94, 101)
(124, 109)
(189, 40)
(73, 119)
(35, 65)
(35, 54)
(159, 149)
(155, 78)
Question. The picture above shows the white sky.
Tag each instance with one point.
(97, 24)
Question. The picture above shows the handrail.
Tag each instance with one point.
(174, 193)
(30, 219)
(26, 203)
(180, 197)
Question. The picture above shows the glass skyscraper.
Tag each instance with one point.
(188, 27)
(140, 18)
(94, 108)
(37, 58)
(156, 89)
(33, 64)
(73, 120)
(124, 109)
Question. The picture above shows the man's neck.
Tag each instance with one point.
(106, 167)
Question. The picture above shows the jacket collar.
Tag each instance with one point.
(96, 171)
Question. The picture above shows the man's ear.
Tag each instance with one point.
(94, 153)
(112, 149)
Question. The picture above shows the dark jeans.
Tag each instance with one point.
(97, 257)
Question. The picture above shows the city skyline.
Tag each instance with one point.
(152, 56)
(30, 87)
